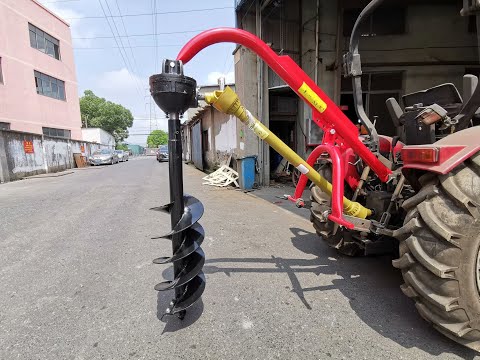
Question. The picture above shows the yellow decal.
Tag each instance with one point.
(259, 130)
(312, 97)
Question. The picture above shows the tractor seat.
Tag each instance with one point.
(445, 94)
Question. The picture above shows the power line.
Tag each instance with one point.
(116, 47)
(118, 34)
(133, 35)
(126, 34)
(59, 1)
(155, 30)
(132, 67)
(116, 41)
(148, 14)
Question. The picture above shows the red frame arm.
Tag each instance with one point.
(338, 176)
(331, 119)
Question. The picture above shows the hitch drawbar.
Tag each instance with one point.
(174, 93)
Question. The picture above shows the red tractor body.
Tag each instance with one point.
(423, 186)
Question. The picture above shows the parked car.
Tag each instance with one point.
(162, 153)
(103, 157)
(122, 155)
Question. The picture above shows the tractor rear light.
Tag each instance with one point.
(420, 155)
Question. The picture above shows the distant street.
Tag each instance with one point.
(77, 278)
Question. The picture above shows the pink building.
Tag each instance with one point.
(38, 85)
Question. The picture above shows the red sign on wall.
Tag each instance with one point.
(28, 147)
(82, 148)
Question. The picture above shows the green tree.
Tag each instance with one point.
(157, 138)
(123, 147)
(106, 115)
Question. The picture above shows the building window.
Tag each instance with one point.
(49, 86)
(60, 133)
(377, 87)
(40, 40)
(384, 21)
(1, 73)
(4, 126)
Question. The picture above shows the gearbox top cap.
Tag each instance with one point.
(172, 91)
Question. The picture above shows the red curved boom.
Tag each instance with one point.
(329, 117)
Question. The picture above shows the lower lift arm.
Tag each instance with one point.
(227, 101)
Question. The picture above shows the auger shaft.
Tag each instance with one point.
(174, 93)
(176, 187)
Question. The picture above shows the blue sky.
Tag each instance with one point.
(101, 68)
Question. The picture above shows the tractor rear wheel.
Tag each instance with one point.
(439, 252)
(333, 235)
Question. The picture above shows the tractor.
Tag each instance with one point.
(416, 195)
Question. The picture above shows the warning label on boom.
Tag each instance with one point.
(312, 97)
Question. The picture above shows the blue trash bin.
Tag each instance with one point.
(247, 172)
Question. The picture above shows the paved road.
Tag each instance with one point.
(77, 279)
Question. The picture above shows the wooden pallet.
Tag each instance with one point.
(223, 177)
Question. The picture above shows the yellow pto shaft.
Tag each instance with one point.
(227, 101)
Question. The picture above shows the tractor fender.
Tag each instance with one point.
(444, 155)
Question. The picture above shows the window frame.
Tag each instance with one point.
(41, 41)
(56, 132)
(371, 24)
(4, 125)
(44, 86)
(1, 72)
(367, 91)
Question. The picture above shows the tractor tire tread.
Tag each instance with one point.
(325, 228)
(439, 243)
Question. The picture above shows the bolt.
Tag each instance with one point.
(172, 303)
(168, 311)
(332, 131)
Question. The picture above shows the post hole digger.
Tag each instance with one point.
(417, 193)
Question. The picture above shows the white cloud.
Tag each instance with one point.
(212, 77)
(125, 88)
(121, 81)
(131, 91)
(70, 15)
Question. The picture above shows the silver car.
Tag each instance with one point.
(103, 157)
(162, 153)
(122, 155)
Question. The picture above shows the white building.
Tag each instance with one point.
(98, 136)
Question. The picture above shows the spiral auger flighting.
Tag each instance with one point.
(188, 257)
(174, 93)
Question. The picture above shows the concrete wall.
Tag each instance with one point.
(439, 36)
(222, 137)
(50, 154)
(20, 105)
(99, 136)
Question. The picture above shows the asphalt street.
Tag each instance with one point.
(77, 278)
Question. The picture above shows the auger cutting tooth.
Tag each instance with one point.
(193, 291)
(192, 266)
(192, 239)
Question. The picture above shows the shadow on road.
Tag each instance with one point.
(173, 323)
(370, 284)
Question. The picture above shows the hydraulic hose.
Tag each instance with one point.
(227, 101)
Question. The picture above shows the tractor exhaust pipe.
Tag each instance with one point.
(174, 93)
